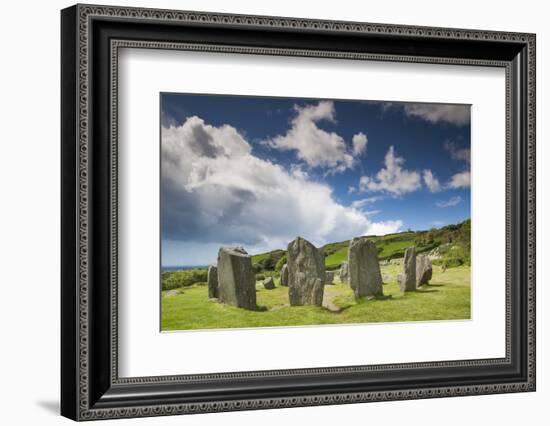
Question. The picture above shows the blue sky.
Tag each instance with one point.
(257, 172)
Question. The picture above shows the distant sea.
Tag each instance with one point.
(180, 267)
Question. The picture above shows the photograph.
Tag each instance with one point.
(280, 212)
(271, 208)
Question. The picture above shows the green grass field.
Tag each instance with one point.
(447, 297)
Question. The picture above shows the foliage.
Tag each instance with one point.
(280, 263)
(393, 246)
(457, 251)
(390, 246)
(267, 261)
(183, 278)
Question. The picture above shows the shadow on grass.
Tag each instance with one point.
(260, 309)
(383, 297)
(365, 299)
(338, 310)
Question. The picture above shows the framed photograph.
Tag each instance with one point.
(263, 212)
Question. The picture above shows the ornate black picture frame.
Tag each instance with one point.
(90, 38)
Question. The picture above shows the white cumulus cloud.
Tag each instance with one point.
(451, 202)
(359, 143)
(384, 228)
(216, 192)
(458, 115)
(315, 146)
(431, 181)
(460, 180)
(392, 178)
(457, 153)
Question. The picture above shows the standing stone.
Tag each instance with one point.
(423, 270)
(344, 272)
(364, 270)
(284, 275)
(269, 284)
(329, 277)
(212, 279)
(240, 250)
(306, 273)
(408, 279)
(236, 279)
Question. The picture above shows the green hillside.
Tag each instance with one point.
(452, 242)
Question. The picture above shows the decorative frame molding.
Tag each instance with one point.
(91, 37)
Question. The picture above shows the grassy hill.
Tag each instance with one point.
(268, 261)
(452, 241)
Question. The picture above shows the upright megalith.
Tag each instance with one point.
(344, 272)
(284, 275)
(329, 277)
(423, 270)
(364, 270)
(269, 284)
(212, 279)
(407, 281)
(306, 273)
(236, 279)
